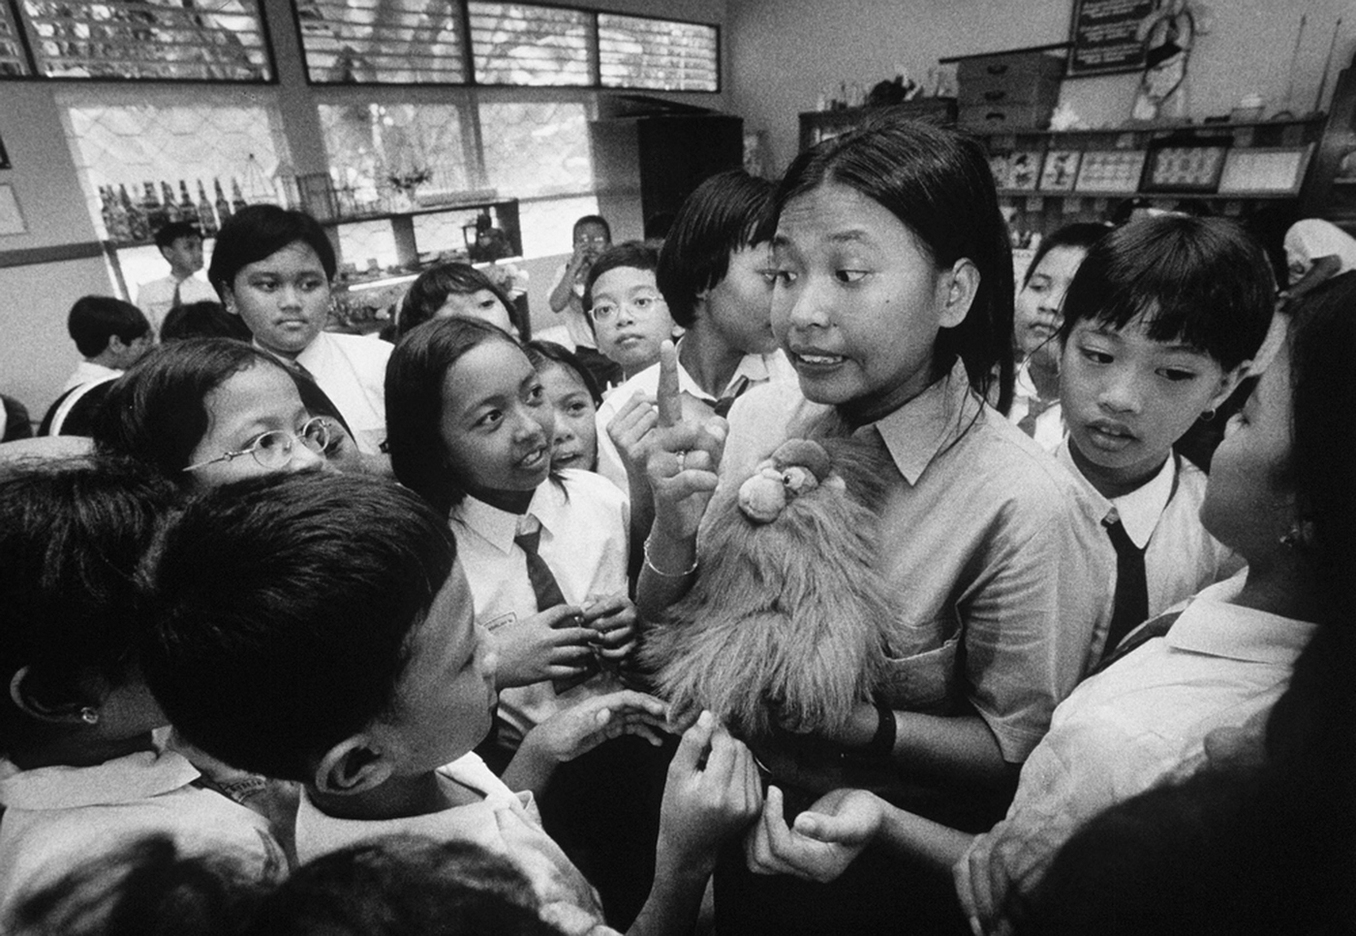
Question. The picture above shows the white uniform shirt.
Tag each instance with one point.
(351, 369)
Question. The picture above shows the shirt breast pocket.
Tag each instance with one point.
(922, 674)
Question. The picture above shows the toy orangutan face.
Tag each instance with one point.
(775, 483)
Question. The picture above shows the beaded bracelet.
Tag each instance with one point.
(660, 572)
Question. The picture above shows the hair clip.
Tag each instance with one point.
(89, 715)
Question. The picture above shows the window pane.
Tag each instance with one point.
(547, 224)
(12, 59)
(213, 40)
(382, 41)
(518, 44)
(536, 149)
(372, 146)
(660, 54)
(129, 145)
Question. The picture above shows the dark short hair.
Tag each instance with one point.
(283, 606)
(545, 353)
(937, 182)
(1202, 281)
(157, 411)
(431, 288)
(167, 234)
(635, 254)
(93, 320)
(1080, 235)
(591, 219)
(400, 885)
(72, 534)
(205, 319)
(414, 404)
(257, 232)
(721, 216)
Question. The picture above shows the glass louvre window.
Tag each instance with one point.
(197, 40)
(382, 41)
(383, 153)
(540, 149)
(663, 55)
(13, 62)
(526, 46)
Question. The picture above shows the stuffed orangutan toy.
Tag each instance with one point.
(785, 627)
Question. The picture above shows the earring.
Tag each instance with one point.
(1208, 415)
(89, 715)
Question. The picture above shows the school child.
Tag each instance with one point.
(203, 411)
(273, 267)
(545, 553)
(298, 637)
(455, 289)
(894, 304)
(1160, 323)
(591, 235)
(629, 315)
(1036, 320)
(111, 335)
(180, 243)
(81, 771)
(575, 398)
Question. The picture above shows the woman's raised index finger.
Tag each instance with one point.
(668, 398)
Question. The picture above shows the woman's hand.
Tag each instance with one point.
(822, 842)
(683, 456)
(587, 724)
(552, 644)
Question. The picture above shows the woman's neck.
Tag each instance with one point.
(710, 362)
(868, 409)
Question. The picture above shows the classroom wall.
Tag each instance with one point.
(785, 53)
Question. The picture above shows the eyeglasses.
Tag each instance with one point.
(273, 450)
(641, 302)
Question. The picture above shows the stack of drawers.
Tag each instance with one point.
(1005, 90)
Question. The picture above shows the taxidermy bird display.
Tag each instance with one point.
(786, 624)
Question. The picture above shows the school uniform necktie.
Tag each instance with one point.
(722, 406)
(178, 300)
(1035, 407)
(1130, 606)
(1155, 627)
(548, 594)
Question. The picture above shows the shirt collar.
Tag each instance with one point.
(756, 368)
(923, 427)
(122, 780)
(1140, 510)
(499, 527)
(1206, 626)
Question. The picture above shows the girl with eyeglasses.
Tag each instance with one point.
(210, 410)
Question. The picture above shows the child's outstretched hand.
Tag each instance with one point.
(613, 620)
(552, 644)
(585, 725)
(712, 792)
(823, 840)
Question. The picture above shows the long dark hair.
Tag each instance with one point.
(414, 404)
(937, 182)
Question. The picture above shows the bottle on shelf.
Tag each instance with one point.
(156, 217)
(222, 205)
(237, 200)
(206, 219)
(170, 202)
(188, 208)
(138, 228)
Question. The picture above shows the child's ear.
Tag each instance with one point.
(354, 765)
(65, 713)
(228, 300)
(960, 286)
(165, 252)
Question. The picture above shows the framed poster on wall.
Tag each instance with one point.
(1184, 165)
(1103, 38)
